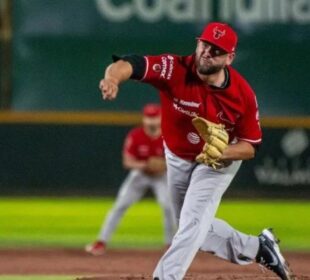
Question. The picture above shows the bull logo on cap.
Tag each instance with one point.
(217, 33)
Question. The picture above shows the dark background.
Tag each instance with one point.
(58, 52)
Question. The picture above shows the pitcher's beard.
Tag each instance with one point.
(209, 70)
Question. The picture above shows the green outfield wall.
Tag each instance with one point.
(60, 48)
(59, 137)
(61, 159)
(85, 159)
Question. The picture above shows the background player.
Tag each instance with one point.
(205, 85)
(143, 155)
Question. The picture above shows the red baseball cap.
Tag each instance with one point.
(151, 110)
(221, 35)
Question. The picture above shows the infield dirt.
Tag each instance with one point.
(131, 265)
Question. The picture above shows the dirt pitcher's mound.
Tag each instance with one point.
(193, 277)
(132, 265)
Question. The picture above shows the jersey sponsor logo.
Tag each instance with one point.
(217, 33)
(183, 111)
(229, 125)
(156, 68)
(220, 115)
(193, 138)
(143, 149)
(164, 67)
(171, 66)
(167, 67)
(187, 103)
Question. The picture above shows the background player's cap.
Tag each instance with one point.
(151, 110)
(220, 35)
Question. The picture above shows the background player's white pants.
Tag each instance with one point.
(196, 194)
(132, 190)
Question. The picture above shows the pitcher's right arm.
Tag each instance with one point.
(115, 74)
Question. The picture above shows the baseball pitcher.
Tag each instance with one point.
(210, 124)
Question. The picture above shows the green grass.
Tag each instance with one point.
(73, 222)
(289, 219)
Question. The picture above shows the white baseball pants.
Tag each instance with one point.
(132, 190)
(196, 192)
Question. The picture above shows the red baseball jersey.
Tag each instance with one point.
(184, 96)
(141, 146)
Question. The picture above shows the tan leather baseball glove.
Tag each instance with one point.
(216, 138)
(155, 166)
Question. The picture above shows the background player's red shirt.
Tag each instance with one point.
(184, 96)
(141, 146)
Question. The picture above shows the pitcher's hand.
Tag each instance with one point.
(108, 88)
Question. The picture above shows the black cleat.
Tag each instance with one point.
(269, 255)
